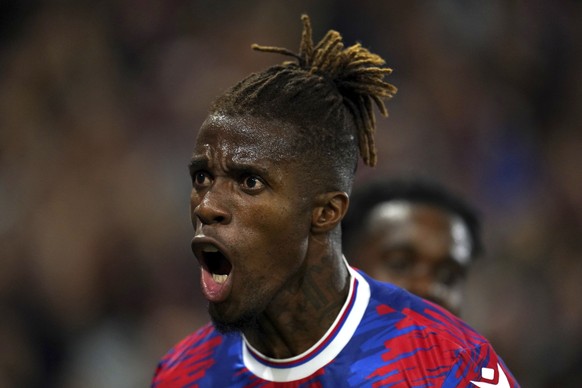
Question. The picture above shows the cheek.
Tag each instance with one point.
(282, 223)
(193, 202)
(455, 298)
(369, 254)
(194, 199)
(384, 274)
(281, 234)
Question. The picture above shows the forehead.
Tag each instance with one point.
(245, 138)
(399, 212)
(422, 224)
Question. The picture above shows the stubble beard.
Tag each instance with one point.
(257, 301)
(243, 323)
(246, 320)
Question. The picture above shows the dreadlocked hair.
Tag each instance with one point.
(328, 93)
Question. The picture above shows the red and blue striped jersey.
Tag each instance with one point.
(383, 337)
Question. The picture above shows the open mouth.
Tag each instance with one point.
(216, 263)
(216, 269)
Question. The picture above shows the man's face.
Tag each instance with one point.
(418, 247)
(250, 218)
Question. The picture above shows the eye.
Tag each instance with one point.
(399, 262)
(252, 183)
(201, 179)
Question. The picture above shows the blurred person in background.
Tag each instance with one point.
(413, 233)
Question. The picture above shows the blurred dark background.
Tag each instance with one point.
(99, 106)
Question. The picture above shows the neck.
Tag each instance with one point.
(303, 312)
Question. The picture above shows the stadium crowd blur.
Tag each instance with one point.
(99, 105)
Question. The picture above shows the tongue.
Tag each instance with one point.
(215, 289)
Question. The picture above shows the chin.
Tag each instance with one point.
(246, 321)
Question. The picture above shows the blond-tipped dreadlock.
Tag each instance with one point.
(355, 69)
(327, 94)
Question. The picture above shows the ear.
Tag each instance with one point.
(330, 208)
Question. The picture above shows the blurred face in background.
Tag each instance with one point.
(418, 247)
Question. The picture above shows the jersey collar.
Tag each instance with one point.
(325, 350)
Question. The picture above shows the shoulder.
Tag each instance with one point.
(420, 338)
(406, 312)
(191, 355)
(204, 338)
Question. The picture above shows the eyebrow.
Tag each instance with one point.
(201, 163)
(238, 168)
(197, 163)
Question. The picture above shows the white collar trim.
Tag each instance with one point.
(324, 351)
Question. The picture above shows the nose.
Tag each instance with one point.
(211, 206)
(428, 287)
(422, 283)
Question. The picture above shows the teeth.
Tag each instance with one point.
(209, 248)
(219, 278)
